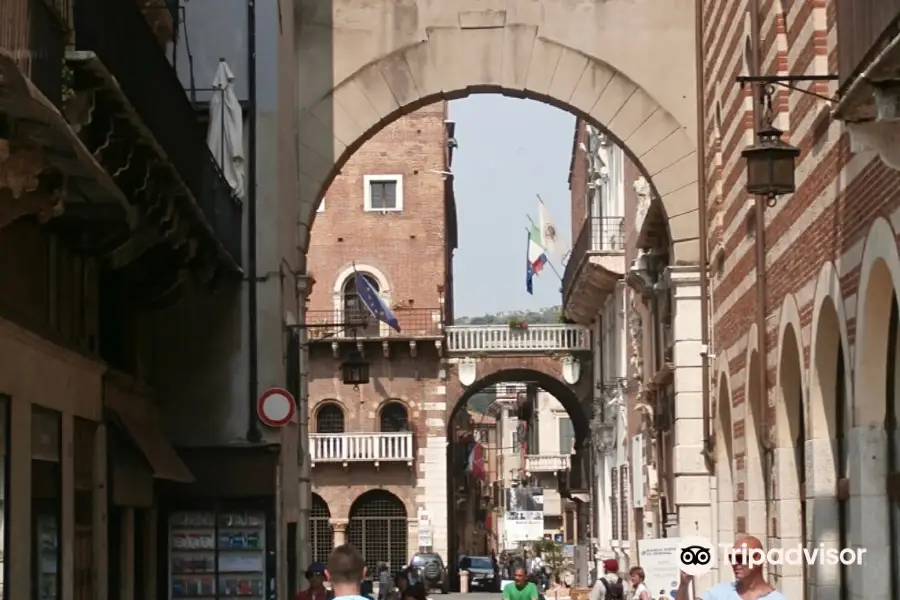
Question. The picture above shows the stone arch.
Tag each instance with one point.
(790, 447)
(879, 280)
(393, 416)
(725, 459)
(547, 381)
(828, 428)
(321, 532)
(330, 417)
(338, 116)
(379, 527)
(869, 459)
(384, 285)
(755, 403)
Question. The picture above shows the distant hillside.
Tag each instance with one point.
(551, 314)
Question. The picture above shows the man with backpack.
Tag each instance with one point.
(609, 586)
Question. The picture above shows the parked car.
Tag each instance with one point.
(482, 576)
(432, 573)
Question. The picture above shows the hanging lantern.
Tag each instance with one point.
(770, 164)
(355, 370)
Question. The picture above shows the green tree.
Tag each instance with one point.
(549, 315)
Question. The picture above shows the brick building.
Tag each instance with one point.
(390, 217)
(805, 340)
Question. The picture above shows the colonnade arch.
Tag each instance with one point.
(829, 411)
(873, 439)
(725, 463)
(755, 468)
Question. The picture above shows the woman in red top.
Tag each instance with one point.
(315, 574)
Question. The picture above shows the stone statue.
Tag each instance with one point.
(642, 188)
(636, 329)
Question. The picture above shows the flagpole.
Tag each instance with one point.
(552, 267)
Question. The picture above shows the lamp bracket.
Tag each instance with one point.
(788, 82)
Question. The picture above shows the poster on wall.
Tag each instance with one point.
(659, 558)
(524, 519)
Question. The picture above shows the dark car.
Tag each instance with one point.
(481, 573)
(431, 571)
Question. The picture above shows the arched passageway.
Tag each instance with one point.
(411, 54)
(379, 527)
(320, 531)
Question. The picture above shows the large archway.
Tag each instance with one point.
(755, 483)
(357, 78)
(564, 394)
(378, 527)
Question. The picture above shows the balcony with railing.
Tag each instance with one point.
(118, 51)
(547, 463)
(367, 448)
(503, 339)
(867, 39)
(340, 324)
(596, 263)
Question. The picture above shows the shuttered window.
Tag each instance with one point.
(566, 435)
(614, 504)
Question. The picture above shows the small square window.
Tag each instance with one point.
(383, 192)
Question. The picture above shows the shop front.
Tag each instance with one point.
(218, 536)
(50, 400)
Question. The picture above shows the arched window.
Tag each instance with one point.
(320, 530)
(378, 528)
(330, 419)
(355, 310)
(393, 418)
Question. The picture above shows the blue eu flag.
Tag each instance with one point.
(374, 303)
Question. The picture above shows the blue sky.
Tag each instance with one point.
(509, 151)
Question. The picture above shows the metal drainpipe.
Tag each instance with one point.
(760, 246)
(703, 230)
(253, 433)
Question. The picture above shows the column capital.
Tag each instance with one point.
(339, 524)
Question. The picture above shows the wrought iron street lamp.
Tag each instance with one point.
(355, 370)
(770, 161)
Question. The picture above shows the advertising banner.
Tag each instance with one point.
(524, 518)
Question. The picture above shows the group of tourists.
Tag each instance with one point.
(612, 586)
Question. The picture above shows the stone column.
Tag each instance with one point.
(691, 480)
(304, 460)
(339, 528)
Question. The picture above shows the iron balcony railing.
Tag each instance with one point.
(598, 235)
(117, 32)
(361, 447)
(340, 324)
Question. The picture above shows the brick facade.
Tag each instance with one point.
(819, 243)
(407, 253)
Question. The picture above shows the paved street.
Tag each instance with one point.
(472, 596)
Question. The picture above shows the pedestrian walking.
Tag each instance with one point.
(609, 586)
(345, 570)
(638, 576)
